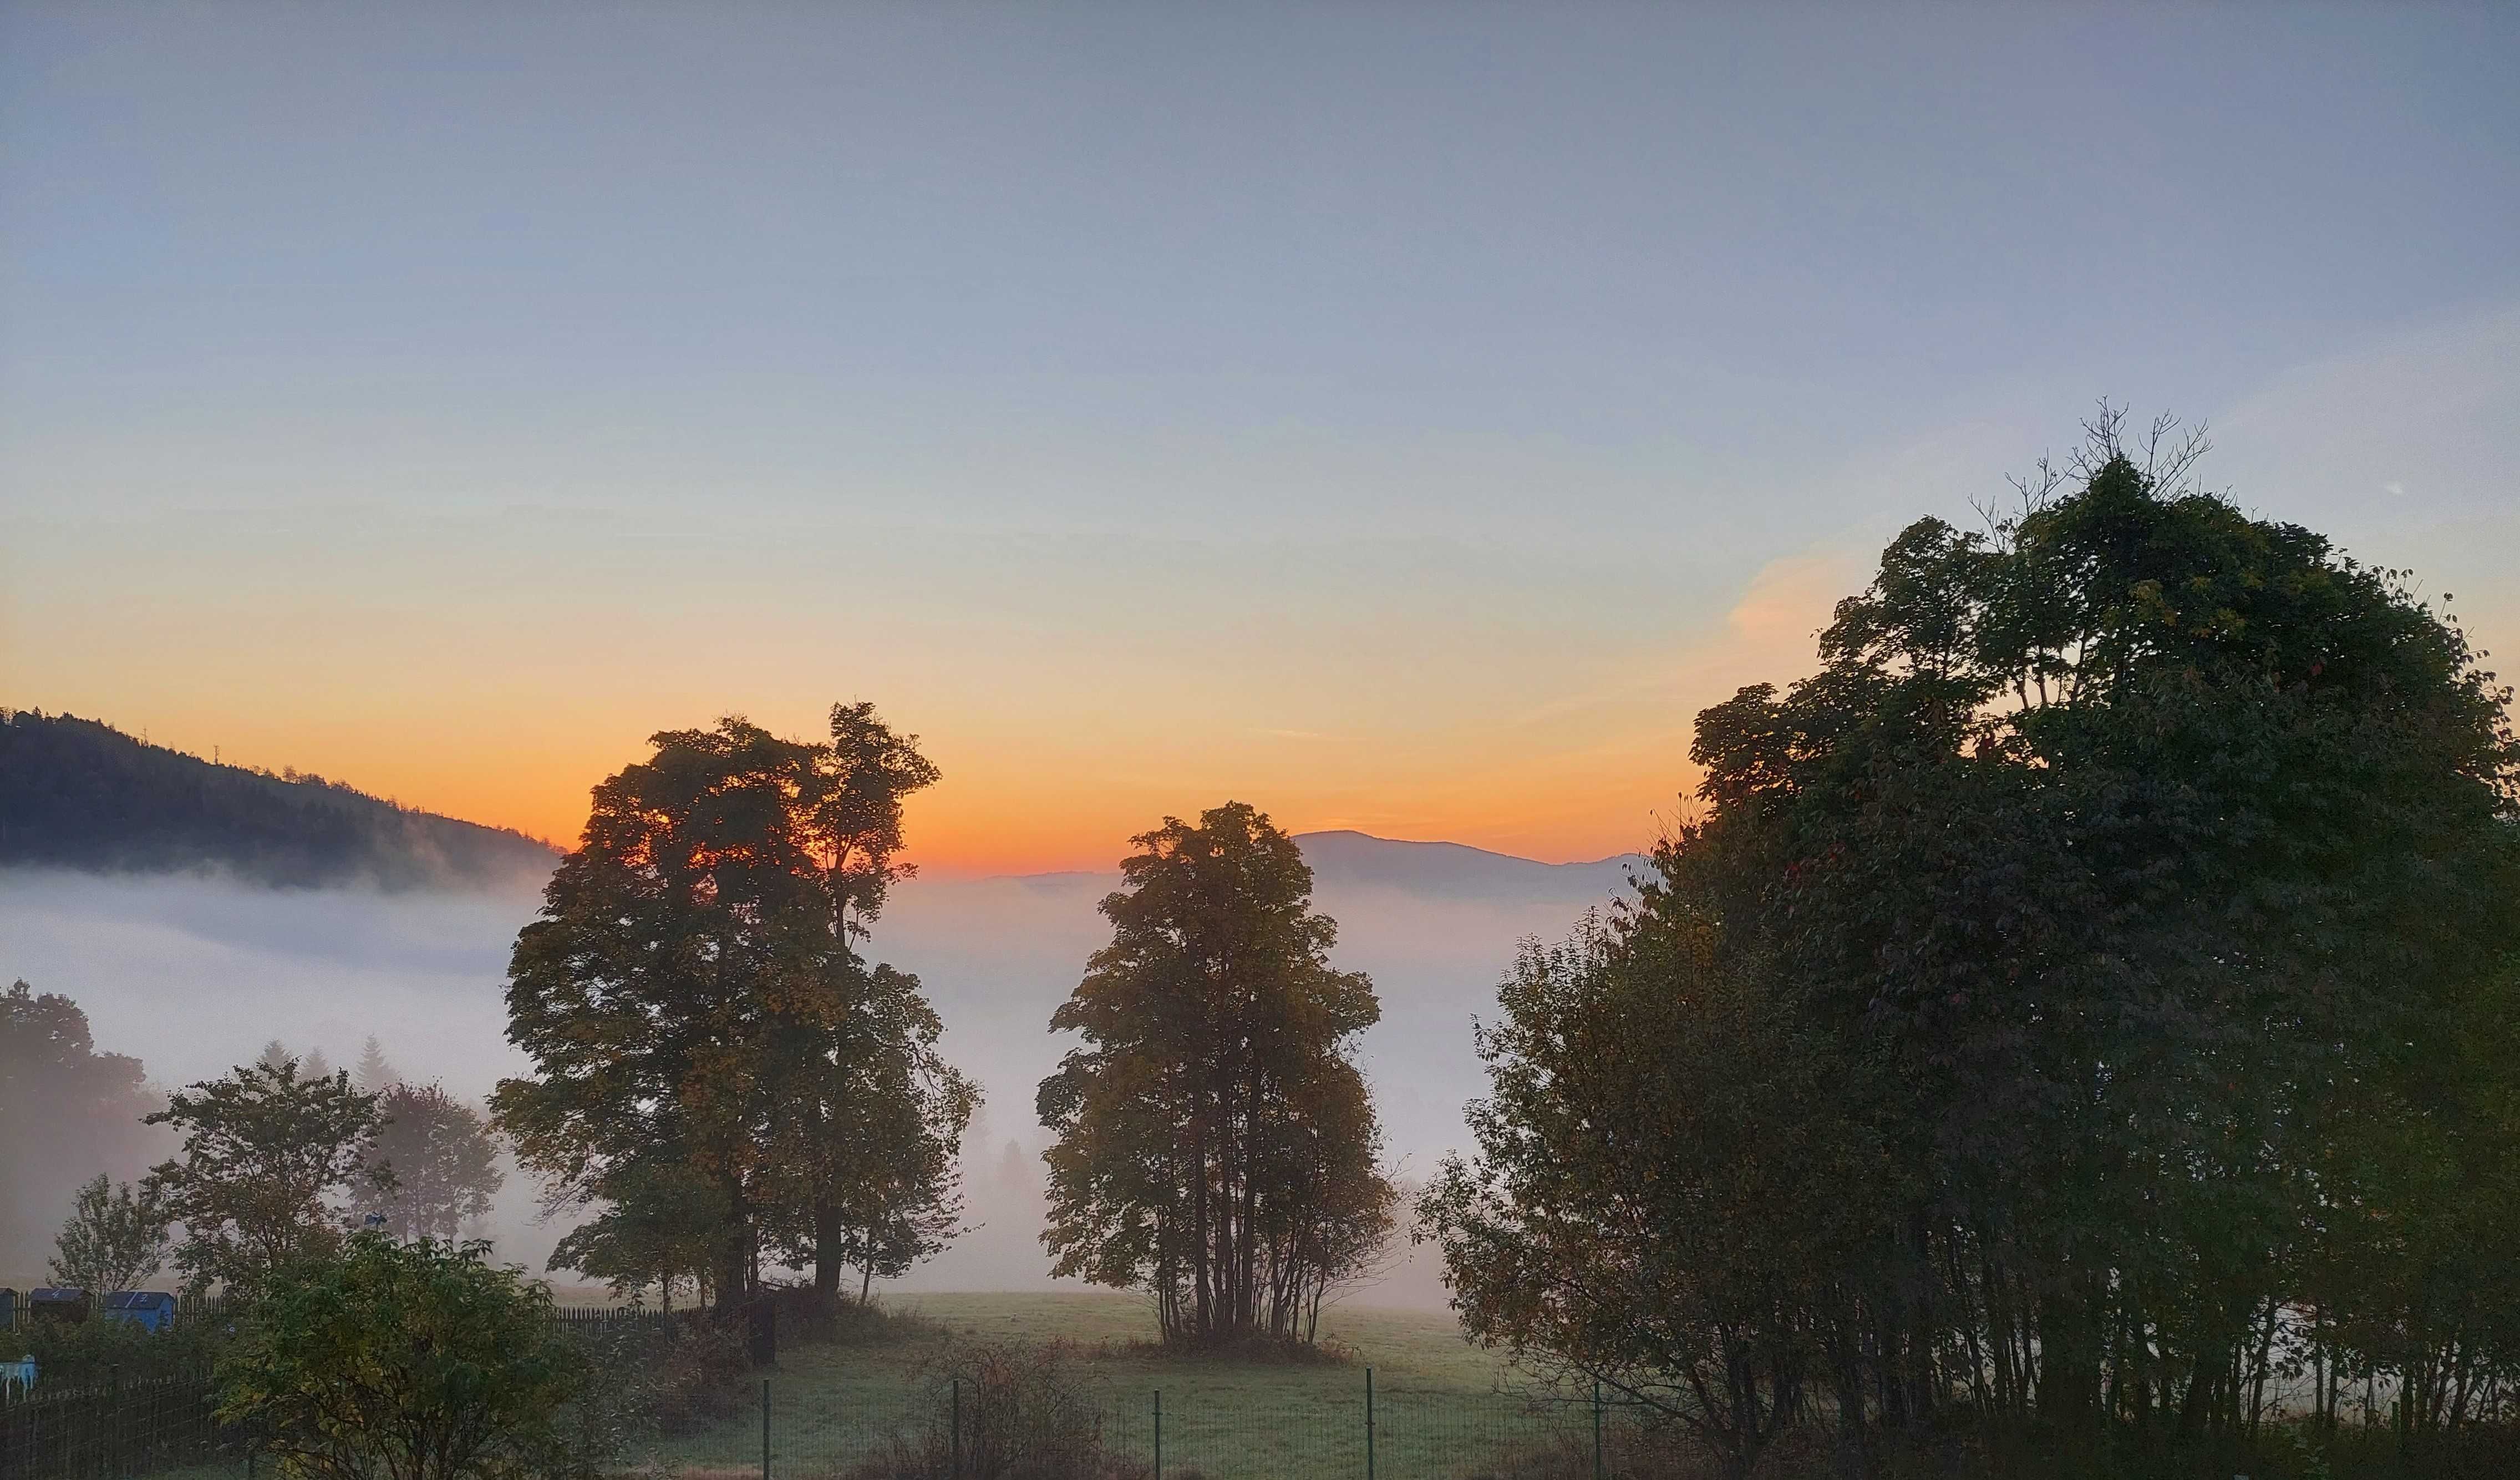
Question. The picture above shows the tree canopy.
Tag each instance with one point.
(274, 1167)
(2137, 874)
(696, 1009)
(115, 1238)
(1216, 1143)
(435, 1160)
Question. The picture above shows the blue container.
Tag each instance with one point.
(8, 1309)
(148, 1310)
(66, 1306)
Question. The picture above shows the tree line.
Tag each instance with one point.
(726, 1084)
(2081, 1008)
(278, 1161)
(79, 794)
(2083, 1003)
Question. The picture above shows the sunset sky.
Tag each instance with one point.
(1401, 418)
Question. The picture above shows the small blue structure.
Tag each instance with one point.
(8, 1309)
(16, 1376)
(61, 1304)
(150, 1309)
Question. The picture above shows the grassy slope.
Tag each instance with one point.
(1441, 1405)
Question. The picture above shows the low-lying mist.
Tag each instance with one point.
(193, 974)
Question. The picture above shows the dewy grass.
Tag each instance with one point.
(1443, 1408)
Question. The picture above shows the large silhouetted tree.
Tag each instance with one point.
(693, 997)
(1216, 1143)
(2113, 926)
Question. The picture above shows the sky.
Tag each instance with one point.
(1403, 418)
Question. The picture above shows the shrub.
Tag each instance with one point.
(1023, 1415)
(403, 1361)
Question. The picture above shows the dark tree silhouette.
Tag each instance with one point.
(1216, 1143)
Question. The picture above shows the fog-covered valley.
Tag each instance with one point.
(193, 973)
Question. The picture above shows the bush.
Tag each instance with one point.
(1023, 1415)
(412, 1361)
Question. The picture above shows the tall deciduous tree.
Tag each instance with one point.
(437, 1161)
(693, 996)
(1216, 1143)
(2146, 862)
(273, 1165)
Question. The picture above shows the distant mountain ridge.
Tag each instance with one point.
(1456, 871)
(81, 794)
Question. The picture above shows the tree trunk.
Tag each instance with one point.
(827, 1254)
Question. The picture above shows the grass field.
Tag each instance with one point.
(1442, 1406)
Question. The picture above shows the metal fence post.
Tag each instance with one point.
(1368, 1423)
(1596, 1428)
(114, 1420)
(765, 1428)
(1159, 1434)
(954, 1443)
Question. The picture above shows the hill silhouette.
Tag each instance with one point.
(1347, 859)
(81, 794)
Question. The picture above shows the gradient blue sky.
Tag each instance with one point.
(1399, 417)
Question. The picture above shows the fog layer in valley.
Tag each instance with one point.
(193, 974)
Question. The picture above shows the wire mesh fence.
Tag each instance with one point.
(908, 1427)
(1221, 1429)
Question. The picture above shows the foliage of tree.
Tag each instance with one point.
(410, 1361)
(269, 1169)
(67, 1112)
(115, 1238)
(883, 1136)
(79, 793)
(1216, 1144)
(694, 1000)
(660, 1226)
(2120, 917)
(434, 1159)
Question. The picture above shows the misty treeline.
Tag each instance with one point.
(79, 794)
(222, 1181)
(68, 1112)
(2081, 1014)
(728, 1084)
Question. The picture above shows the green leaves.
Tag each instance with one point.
(697, 1012)
(2109, 902)
(407, 1360)
(268, 1159)
(1216, 1144)
(115, 1239)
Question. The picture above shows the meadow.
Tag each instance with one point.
(1442, 1406)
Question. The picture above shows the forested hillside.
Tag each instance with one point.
(79, 793)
